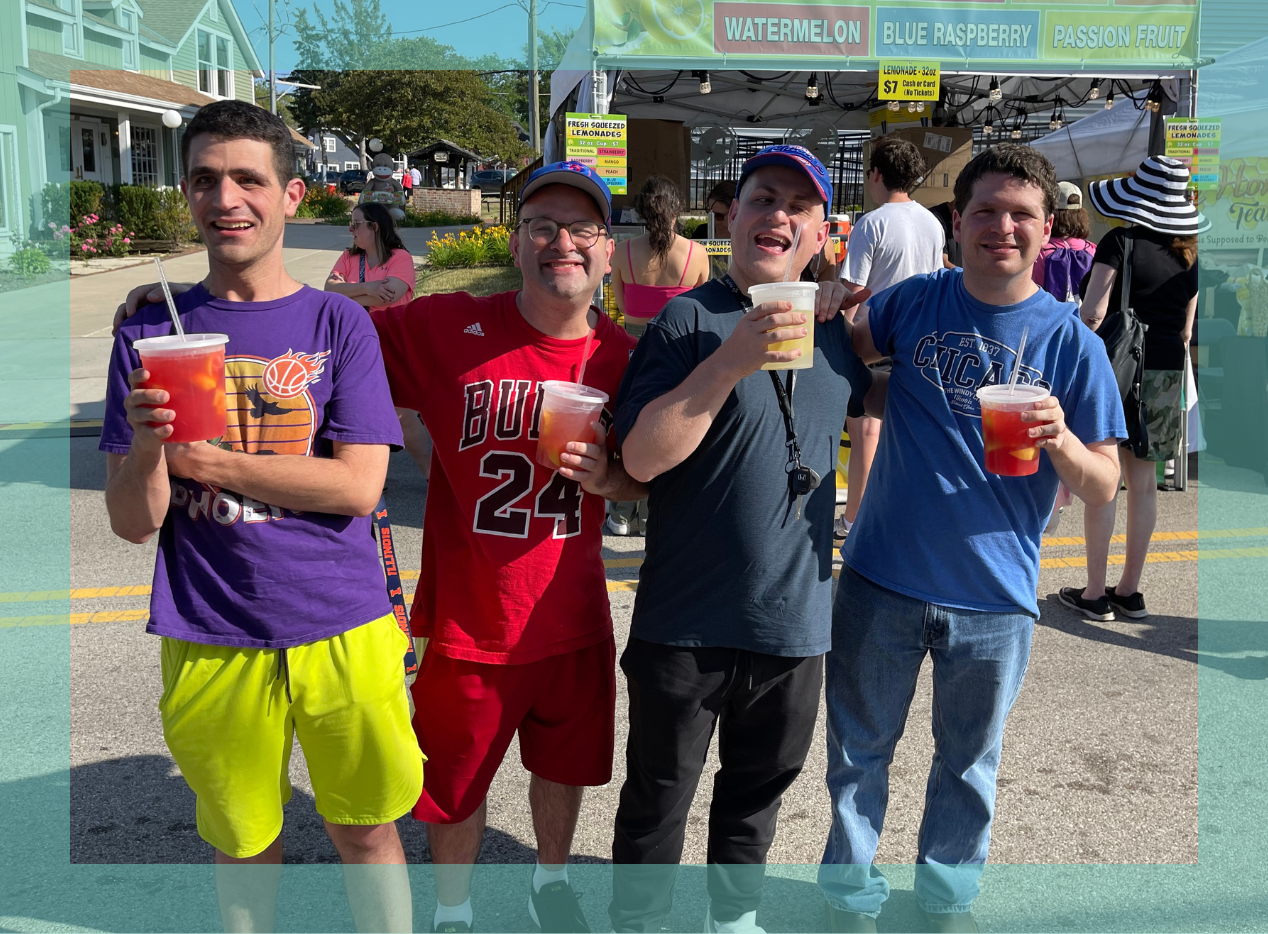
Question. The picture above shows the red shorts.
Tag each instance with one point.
(564, 708)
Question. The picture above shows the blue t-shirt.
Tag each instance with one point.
(934, 524)
(728, 563)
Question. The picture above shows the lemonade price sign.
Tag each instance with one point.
(599, 141)
(908, 81)
(1196, 142)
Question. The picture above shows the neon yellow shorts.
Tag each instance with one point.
(230, 727)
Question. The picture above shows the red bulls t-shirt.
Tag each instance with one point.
(301, 373)
(511, 570)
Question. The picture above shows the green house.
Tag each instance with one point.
(84, 86)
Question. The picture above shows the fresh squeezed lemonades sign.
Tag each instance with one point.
(1196, 142)
(908, 81)
(722, 32)
(599, 140)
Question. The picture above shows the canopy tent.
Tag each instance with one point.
(1111, 142)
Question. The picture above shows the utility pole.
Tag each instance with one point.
(534, 131)
(272, 73)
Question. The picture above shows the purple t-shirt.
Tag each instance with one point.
(300, 373)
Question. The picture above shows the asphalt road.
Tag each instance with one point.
(1100, 761)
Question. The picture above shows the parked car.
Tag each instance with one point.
(351, 181)
(491, 179)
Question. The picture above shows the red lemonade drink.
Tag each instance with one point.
(1010, 451)
(192, 371)
(568, 409)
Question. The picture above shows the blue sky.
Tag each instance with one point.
(498, 27)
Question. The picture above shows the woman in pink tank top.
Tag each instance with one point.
(658, 265)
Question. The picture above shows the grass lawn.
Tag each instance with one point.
(480, 280)
(11, 281)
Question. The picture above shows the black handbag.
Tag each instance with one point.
(1124, 337)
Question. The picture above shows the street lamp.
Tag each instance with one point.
(172, 119)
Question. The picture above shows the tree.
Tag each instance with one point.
(407, 109)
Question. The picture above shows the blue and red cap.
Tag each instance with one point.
(578, 176)
(795, 157)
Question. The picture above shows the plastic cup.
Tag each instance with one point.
(802, 296)
(568, 409)
(192, 371)
(1010, 451)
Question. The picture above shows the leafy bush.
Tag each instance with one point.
(484, 246)
(30, 262)
(172, 221)
(321, 202)
(134, 206)
(95, 237)
(436, 219)
(55, 201)
(689, 225)
(85, 198)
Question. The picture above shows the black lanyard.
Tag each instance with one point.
(362, 279)
(801, 479)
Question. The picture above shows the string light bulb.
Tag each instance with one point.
(1109, 98)
(995, 94)
(894, 105)
(920, 107)
(911, 107)
(705, 86)
(1096, 89)
(812, 87)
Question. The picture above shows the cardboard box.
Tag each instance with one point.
(655, 147)
(946, 150)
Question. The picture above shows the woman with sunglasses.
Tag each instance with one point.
(377, 272)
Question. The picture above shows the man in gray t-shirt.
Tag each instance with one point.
(899, 239)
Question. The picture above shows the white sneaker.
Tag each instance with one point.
(744, 924)
(614, 526)
(1053, 521)
(839, 528)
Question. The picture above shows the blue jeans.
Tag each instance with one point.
(879, 639)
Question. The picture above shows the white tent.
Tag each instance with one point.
(1111, 142)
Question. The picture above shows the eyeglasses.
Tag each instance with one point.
(543, 231)
(355, 224)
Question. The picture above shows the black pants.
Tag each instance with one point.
(764, 707)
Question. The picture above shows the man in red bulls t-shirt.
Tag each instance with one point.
(512, 595)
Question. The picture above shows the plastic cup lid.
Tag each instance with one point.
(171, 343)
(1022, 393)
(575, 392)
(793, 286)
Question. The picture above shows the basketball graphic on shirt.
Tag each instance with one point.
(290, 374)
(269, 406)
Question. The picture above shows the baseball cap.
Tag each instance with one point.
(796, 157)
(576, 175)
(1069, 196)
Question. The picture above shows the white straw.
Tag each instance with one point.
(171, 302)
(792, 253)
(1021, 349)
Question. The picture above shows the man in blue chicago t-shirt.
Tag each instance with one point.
(733, 612)
(956, 577)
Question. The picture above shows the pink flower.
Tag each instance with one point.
(57, 235)
(52, 225)
(65, 228)
(83, 247)
(127, 240)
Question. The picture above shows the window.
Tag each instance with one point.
(215, 65)
(145, 160)
(88, 146)
(127, 20)
(70, 38)
(349, 166)
(224, 62)
(329, 143)
(10, 214)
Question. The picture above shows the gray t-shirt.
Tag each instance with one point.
(728, 565)
(892, 243)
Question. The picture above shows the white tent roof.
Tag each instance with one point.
(1110, 142)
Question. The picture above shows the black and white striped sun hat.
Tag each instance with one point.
(1155, 197)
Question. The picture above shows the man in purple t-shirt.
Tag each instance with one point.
(268, 591)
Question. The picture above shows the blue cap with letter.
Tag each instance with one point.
(578, 176)
(795, 157)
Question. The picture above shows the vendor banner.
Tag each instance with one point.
(725, 32)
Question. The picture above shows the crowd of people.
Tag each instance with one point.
(269, 593)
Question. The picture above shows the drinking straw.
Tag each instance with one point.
(171, 302)
(585, 357)
(1021, 349)
(792, 253)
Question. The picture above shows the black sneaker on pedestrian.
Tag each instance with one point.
(452, 927)
(1132, 607)
(555, 909)
(1099, 610)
